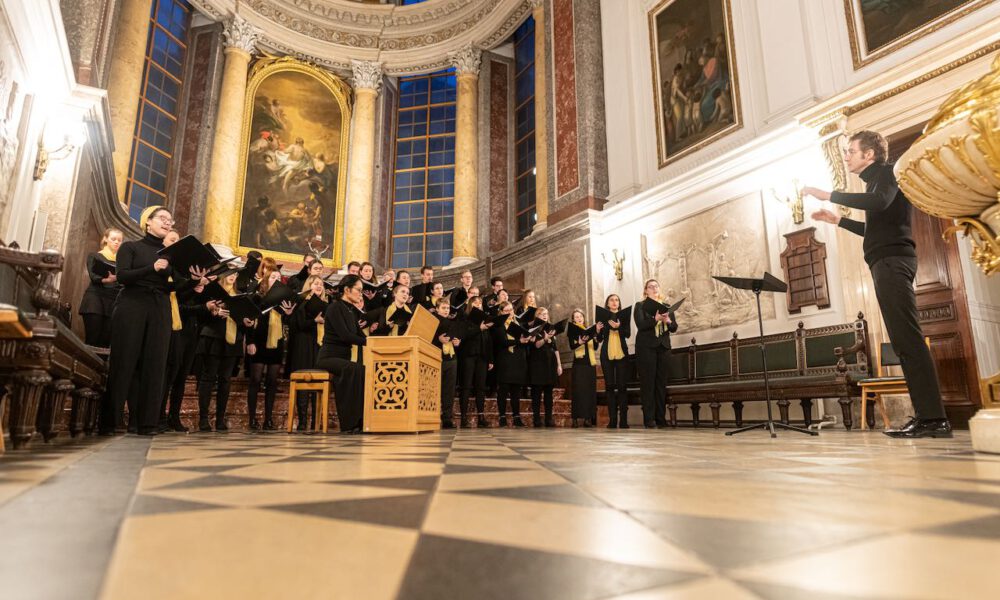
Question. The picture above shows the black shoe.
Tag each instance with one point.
(575, 424)
(447, 425)
(550, 422)
(612, 425)
(588, 423)
(269, 425)
(915, 428)
(650, 425)
(503, 421)
(221, 426)
(163, 427)
(204, 425)
(148, 430)
(481, 422)
(176, 425)
(623, 426)
(253, 425)
(518, 422)
(463, 422)
(536, 422)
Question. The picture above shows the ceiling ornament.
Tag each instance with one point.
(405, 39)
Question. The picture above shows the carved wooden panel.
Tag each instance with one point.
(804, 264)
(391, 383)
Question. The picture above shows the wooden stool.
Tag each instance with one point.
(311, 380)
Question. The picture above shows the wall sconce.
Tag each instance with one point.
(617, 262)
(71, 141)
(796, 204)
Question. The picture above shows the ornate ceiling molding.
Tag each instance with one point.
(404, 39)
(240, 34)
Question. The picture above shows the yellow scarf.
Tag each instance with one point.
(273, 329)
(108, 254)
(230, 324)
(434, 301)
(615, 351)
(388, 314)
(586, 351)
(175, 310)
(506, 325)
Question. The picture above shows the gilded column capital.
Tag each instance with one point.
(367, 75)
(466, 60)
(240, 34)
(537, 4)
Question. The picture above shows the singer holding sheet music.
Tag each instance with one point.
(221, 345)
(652, 349)
(614, 359)
(341, 354)
(266, 347)
(544, 368)
(509, 350)
(582, 341)
(140, 331)
(99, 299)
(475, 360)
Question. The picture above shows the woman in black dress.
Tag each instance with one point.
(99, 299)
(614, 364)
(342, 354)
(652, 354)
(510, 354)
(140, 332)
(389, 322)
(584, 375)
(266, 348)
(221, 346)
(475, 359)
(303, 348)
(544, 370)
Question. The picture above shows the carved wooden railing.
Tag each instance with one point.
(41, 373)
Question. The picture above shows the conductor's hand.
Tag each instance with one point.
(816, 193)
(160, 264)
(826, 216)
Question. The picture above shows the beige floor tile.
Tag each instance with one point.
(497, 479)
(255, 554)
(153, 477)
(710, 588)
(901, 566)
(321, 470)
(225, 461)
(265, 494)
(593, 532)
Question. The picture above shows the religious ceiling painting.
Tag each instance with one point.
(879, 27)
(724, 240)
(694, 75)
(291, 187)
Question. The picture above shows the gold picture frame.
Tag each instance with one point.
(306, 166)
(866, 48)
(713, 112)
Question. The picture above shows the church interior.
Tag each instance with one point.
(685, 373)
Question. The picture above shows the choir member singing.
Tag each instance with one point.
(99, 299)
(544, 369)
(652, 349)
(449, 340)
(266, 348)
(614, 361)
(509, 350)
(582, 341)
(307, 321)
(221, 346)
(475, 359)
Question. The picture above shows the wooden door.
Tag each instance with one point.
(942, 306)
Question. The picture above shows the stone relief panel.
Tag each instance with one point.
(729, 240)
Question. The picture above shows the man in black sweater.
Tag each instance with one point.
(892, 258)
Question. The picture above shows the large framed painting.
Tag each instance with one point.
(697, 95)
(879, 27)
(292, 182)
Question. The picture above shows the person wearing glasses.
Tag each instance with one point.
(140, 330)
(342, 353)
(891, 255)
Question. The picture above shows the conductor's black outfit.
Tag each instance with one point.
(892, 258)
(652, 350)
(140, 338)
(341, 355)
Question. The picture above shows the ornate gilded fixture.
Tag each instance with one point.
(796, 204)
(953, 169)
(617, 262)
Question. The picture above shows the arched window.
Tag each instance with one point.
(524, 128)
(156, 121)
(423, 201)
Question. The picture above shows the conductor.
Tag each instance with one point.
(892, 258)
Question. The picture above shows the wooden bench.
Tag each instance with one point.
(803, 365)
(42, 372)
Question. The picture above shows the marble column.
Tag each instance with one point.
(465, 238)
(361, 163)
(125, 82)
(541, 120)
(220, 206)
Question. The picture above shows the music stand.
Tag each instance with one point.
(769, 283)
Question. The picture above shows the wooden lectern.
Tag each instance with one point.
(403, 379)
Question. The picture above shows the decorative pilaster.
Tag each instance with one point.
(541, 119)
(241, 40)
(465, 238)
(125, 82)
(361, 162)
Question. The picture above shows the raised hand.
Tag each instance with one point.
(826, 216)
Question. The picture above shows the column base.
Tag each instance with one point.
(538, 227)
(461, 261)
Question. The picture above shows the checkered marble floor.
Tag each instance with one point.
(554, 514)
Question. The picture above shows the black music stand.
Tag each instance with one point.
(769, 283)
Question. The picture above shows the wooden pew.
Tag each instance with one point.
(803, 365)
(42, 372)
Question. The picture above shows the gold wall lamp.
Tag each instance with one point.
(796, 204)
(617, 262)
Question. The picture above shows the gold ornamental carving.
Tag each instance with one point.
(391, 383)
(953, 169)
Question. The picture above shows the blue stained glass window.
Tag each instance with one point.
(156, 123)
(524, 128)
(424, 186)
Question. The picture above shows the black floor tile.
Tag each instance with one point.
(425, 483)
(153, 505)
(393, 511)
(984, 527)
(559, 493)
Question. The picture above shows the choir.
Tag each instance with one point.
(168, 310)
